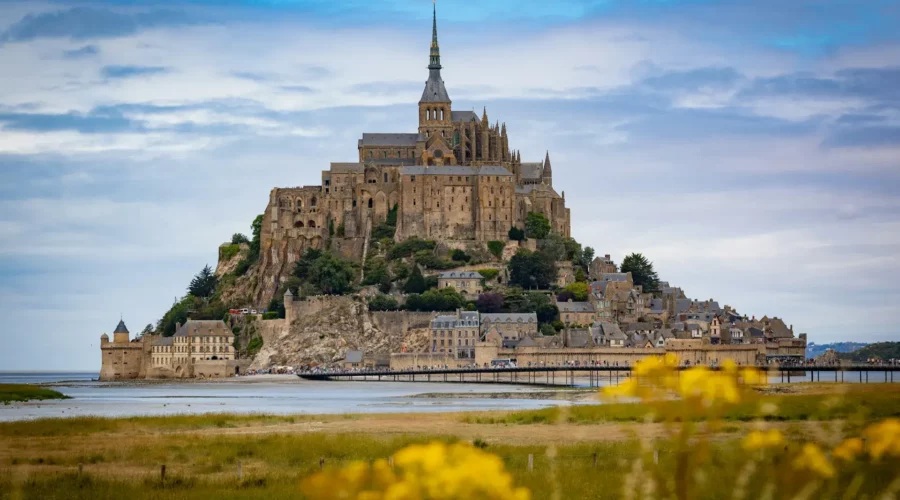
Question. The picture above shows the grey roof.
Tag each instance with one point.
(121, 328)
(370, 139)
(599, 286)
(393, 161)
(465, 319)
(458, 275)
(684, 305)
(164, 341)
(434, 88)
(639, 326)
(353, 357)
(526, 342)
(509, 318)
(579, 337)
(531, 170)
(463, 116)
(575, 306)
(510, 343)
(204, 328)
(610, 331)
(618, 277)
(343, 168)
(755, 332)
(657, 305)
(455, 170)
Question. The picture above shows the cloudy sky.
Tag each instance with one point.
(751, 149)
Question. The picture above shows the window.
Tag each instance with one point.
(385, 174)
(413, 179)
(370, 202)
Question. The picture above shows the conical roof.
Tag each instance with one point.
(434, 87)
(121, 328)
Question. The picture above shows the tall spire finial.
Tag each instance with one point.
(435, 56)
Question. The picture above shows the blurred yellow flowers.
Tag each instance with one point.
(435, 471)
(812, 459)
(883, 438)
(848, 449)
(658, 377)
(759, 440)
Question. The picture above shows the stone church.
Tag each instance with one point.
(455, 179)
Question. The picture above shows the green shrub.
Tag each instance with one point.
(460, 256)
(271, 315)
(227, 252)
(547, 329)
(409, 247)
(442, 299)
(428, 260)
(496, 248)
(254, 345)
(238, 238)
(383, 303)
(489, 274)
(516, 234)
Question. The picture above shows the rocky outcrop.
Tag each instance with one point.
(323, 329)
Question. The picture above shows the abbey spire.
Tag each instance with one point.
(434, 87)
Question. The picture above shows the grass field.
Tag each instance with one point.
(857, 403)
(580, 452)
(24, 392)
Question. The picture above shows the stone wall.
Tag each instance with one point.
(704, 355)
(405, 361)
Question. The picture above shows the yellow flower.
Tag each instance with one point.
(848, 449)
(753, 376)
(884, 438)
(730, 367)
(758, 440)
(434, 471)
(812, 459)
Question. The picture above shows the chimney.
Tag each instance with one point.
(792, 328)
(177, 326)
(606, 256)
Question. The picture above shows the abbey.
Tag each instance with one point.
(455, 178)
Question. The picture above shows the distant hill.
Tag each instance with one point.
(813, 349)
(881, 350)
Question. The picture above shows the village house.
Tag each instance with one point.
(465, 282)
(576, 313)
(510, 326)
(456, 334)
(602, 265)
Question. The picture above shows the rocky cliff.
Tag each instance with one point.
(322, 329)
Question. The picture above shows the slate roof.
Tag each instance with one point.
(164, 341)
(575, 306)
(508, 318)
(434, 88)
(610, 331)
(121, 328)
(459, 275)
(618, 277)
(379, 139)
(526, 342)
(463, 116)
(466, 319)
(204, 328)
(639, 326)
(353, 357)
(344, 168)
(779, 330)
(531, 170)
(580, 337)
(657, 306)
(455, 170)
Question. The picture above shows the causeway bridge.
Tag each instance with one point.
(593, 376)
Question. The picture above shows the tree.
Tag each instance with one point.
(579, 291)
(642, 272)
(516, 234)
(443, 299)
(147, 329)
(376, 272)
(238, 238)
(532, 269)
(416, 282)
(460, 256)
(496, 248)
(305, 263)
(587, 256)
(536, 225)
(204, 283)
(331, 275)
(383, 303)
(580, 275)
(489, 303)
(547, 330)
(554, 245)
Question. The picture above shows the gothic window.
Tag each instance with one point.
(370, 155)
(384, 153)
(456, 138)
(385, 177)
(299, 204)
(312, 202)
(311, 223)
(354, 203)
(370, 203)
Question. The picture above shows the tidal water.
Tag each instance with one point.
(272, 395)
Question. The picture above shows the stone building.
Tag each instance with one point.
(602, 265)
(198, 348)
(465, 282)
(455, 178)
(123, 358)
(455, 335)
(511, 326)
(576, 313)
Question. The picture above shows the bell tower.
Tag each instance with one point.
(434, 107)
